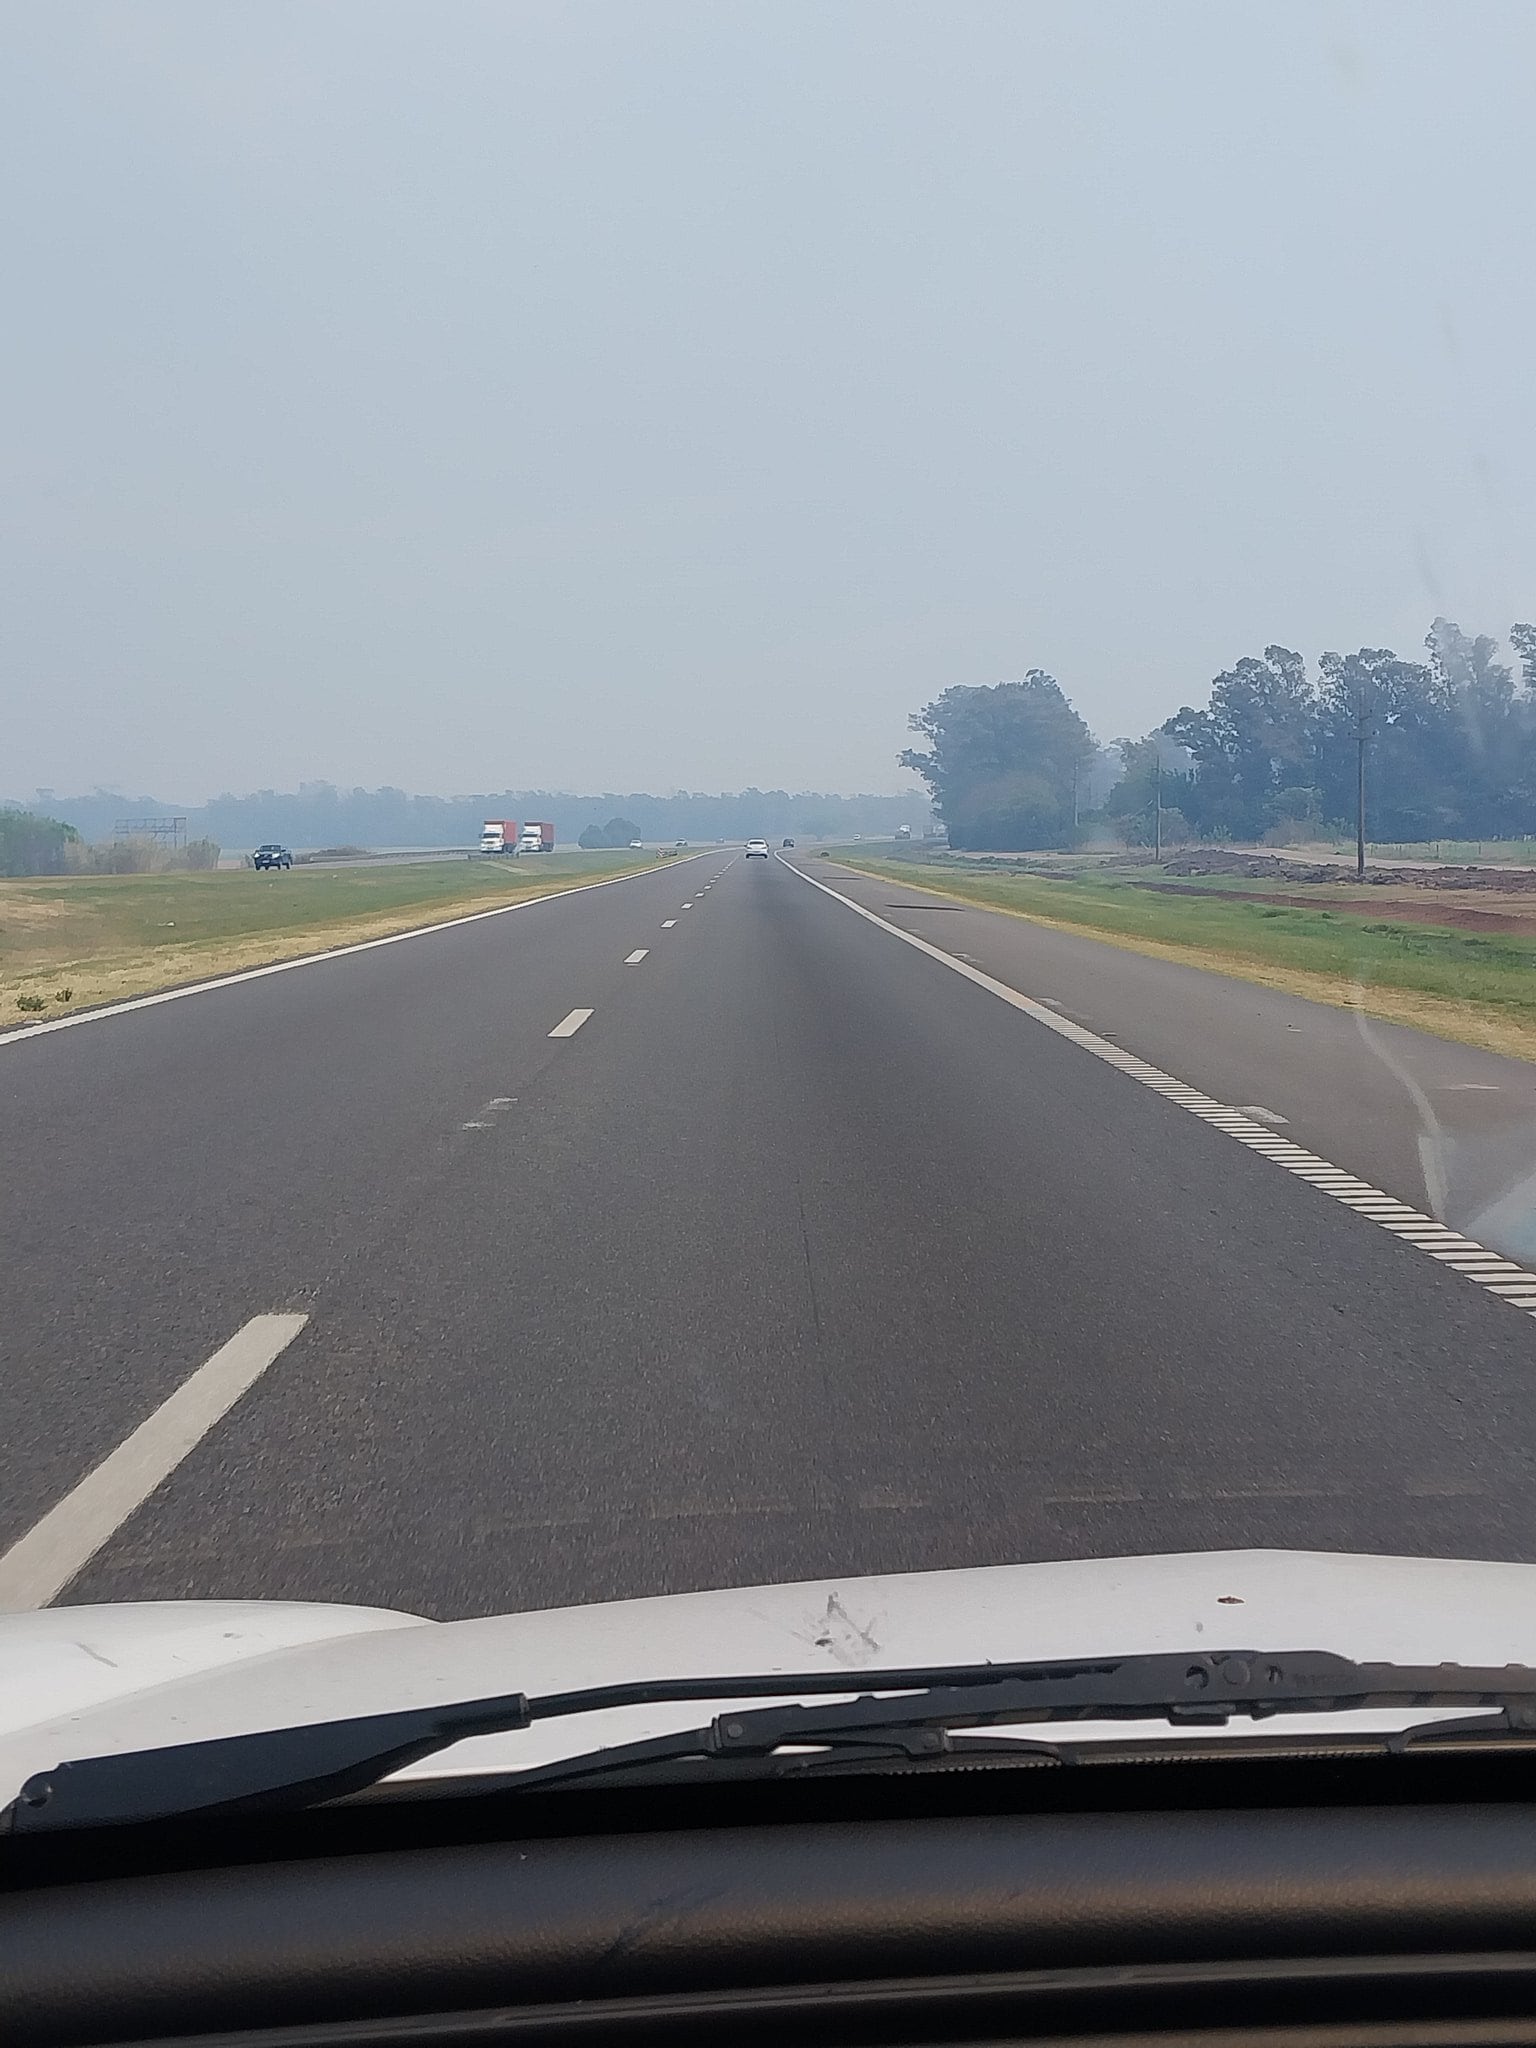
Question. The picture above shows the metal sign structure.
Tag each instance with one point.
(171, 832)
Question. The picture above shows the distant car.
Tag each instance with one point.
(272, 857)
(679, 843)
(635, 843)
(789, 842)
(756, 847)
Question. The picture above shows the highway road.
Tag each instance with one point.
(1444, 1126)
(696, 1229)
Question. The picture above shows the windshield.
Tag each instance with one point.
(1054, 486)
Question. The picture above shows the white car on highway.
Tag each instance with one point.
(756, 847)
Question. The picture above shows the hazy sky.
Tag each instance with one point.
(631, 394)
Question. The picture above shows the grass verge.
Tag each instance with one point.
(1476, 988)
(75, 941)
(1451, 852)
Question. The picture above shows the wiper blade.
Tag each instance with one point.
(664, 1759)
(300, 1766)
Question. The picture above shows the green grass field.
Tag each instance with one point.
(1452, 852)
(102, 937)
(1469, 985)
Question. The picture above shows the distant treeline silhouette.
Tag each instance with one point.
(318, 814)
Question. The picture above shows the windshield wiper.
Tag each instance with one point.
(300, 1766)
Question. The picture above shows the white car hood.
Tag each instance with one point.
(93, 1681)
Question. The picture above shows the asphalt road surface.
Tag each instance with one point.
(692, 1231)
(1444, 1126)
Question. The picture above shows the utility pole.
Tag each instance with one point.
(1360, 735)
(1074, 792)
(1157, 785)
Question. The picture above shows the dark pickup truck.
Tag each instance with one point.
(272, 857)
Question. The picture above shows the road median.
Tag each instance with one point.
(72, 943)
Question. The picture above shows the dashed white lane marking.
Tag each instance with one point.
(569, 1026)
(199, 988)
(687, 906)
(486, 1119)
(1492, 1272)
(39, 1567)
(634, 959)
(668, 923)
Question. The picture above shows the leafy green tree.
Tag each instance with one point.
(1523, 641)
(593, 837)
(1450, 743)
(620, 832)
(1156, 775)
(1490, 731)
(1413, 755)
(1155, 772)
(1141, 828)
(1295, 813)
(31, 845)
(1001, 760)
(1252, 740)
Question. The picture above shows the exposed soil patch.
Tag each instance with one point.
(1259, 867)
(1397, 909)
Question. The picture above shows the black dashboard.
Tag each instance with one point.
(1358, 1903)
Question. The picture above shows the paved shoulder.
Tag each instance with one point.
(1444, 1127)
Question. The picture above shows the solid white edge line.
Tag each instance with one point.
(570, 1024)
(1471, 1260)
(419, 931)
(36, 1569)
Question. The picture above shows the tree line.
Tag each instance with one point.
(320, 814)
(34, 845)
(1449, 746)
(617, 832)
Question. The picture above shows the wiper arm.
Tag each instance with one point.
(920, 1727)
(300, 1766)
(662, 1759)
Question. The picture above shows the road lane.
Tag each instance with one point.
(1446, 1127)
(171, 1172)
(34, 1571)
(806, 1256)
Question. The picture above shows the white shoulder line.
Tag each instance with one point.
(1496, 1275)
(420, 931)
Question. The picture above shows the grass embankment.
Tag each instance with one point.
(1477, 988)
(105, 937)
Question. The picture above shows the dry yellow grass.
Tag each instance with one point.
(105, 939)
(112, 980)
